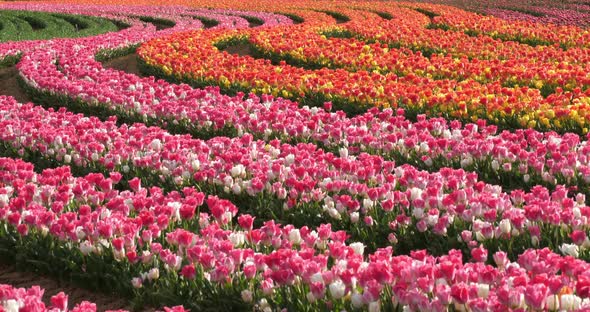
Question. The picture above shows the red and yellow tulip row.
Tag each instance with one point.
(193, 56)
(545, 34)
(419, 33)
(309, 46)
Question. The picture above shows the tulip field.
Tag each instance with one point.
(296, 155)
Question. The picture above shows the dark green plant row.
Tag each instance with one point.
(207, 22)
(10, 60)
(253, 21)
(339, 17)
(160, 23)
(295, 18)
(30, 25)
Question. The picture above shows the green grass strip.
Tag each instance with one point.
(28, 25)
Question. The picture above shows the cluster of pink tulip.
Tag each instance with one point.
(552, 15)
(427, 143)
(162, 237)
(569, 36)
(316, 265)
(302, 179)
(528, 156)
(178, 14)
(14, 299)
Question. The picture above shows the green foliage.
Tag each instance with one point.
(339, 17)
(428, 13)
(160, 23)
(295, 18)
(207, 22)
(29, 25)
(383, 15)
(254, 21)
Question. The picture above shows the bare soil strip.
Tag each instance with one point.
(9, 84)
(126, 63)
(9, 275)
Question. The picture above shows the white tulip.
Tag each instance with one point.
(359, 248)
(295, 237)
(11, 305)
(569, 250)
(505, 226)
(337, 289)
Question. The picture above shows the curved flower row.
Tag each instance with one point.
(307, 46)
(143, 238)
(179, 56)
(434, 36)
(182, 14)
(271, 265)
(546, 34)
(571, 15)
(526, 157)
(184, 18)
(14, 299)
(304, 185)
(500, 150)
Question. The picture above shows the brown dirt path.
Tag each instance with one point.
(9, 84)
(9, 275)
(127, 63)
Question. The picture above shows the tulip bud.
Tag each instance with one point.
(569, 302)
(156, 144)
(136, 282)
(86, 248)
(354, 217)
(343, 152)
(483, 290)
(153, 274)
(375, 306)
(237, 170)
(357, 300)
(505, 227)
(196, 164)
(11, 305)
(247, 296)
(552, 303)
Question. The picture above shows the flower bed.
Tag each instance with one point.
(168, 194)
(436, 85)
